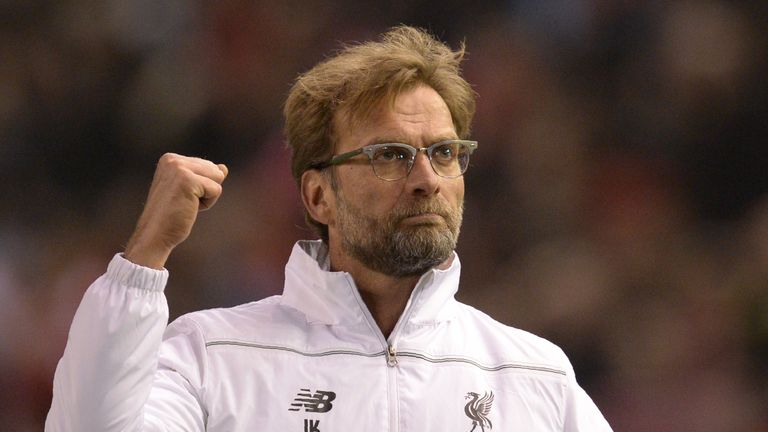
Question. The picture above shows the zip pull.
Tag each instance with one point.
(391, 356)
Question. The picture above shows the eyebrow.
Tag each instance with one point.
(402, 140)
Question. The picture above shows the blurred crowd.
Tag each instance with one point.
(617, 205)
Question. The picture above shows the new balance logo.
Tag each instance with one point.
(317, 402)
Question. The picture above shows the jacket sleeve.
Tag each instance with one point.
(108, 378)
(581, 413)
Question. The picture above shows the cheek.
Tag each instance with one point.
(378, 201)
(456, 191)
(367, 193)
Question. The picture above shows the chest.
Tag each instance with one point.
(277, 388)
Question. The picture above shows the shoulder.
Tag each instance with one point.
(239, 322)
(500, 341)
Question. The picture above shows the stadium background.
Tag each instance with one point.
(617, 204)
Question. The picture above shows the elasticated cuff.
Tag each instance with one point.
(135, 276)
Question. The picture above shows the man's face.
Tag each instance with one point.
(405, 227)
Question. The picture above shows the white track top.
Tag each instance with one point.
(311, 360)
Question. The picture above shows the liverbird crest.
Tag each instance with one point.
(478, 408)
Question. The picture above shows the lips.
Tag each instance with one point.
(425, 218)
(424, 213)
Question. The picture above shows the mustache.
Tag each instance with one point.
(423, 207)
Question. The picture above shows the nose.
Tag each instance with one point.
(423, 180)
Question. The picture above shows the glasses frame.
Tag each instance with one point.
(370, 150)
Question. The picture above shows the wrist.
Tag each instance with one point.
(146, 256)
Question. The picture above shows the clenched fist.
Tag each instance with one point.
(182, 186)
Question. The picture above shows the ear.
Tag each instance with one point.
(317, 195)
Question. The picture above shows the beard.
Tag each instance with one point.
(390, 247)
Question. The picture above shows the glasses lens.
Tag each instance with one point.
(450, 159)
(391, 162)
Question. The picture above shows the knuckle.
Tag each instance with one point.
(168, 158)
(174, 161)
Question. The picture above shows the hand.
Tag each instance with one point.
(181, 187)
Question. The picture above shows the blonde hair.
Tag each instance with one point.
(357, 79)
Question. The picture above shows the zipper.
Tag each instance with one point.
(390, 345)
(391, 355)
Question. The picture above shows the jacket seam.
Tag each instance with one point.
(477, 364)
(204, 381)
(400, 354)
(331, 352)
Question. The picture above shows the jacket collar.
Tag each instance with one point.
(327, 297)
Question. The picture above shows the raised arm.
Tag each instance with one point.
(109, 371)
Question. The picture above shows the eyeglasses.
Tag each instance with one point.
(394, 161)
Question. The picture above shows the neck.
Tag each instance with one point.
(385, 296)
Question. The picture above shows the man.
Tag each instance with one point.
(367, 335)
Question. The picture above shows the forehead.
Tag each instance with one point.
(417, 115)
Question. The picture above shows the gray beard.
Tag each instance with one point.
(387, 248)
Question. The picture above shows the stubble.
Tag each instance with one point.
(393, 247)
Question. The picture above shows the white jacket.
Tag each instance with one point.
(310, 360)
